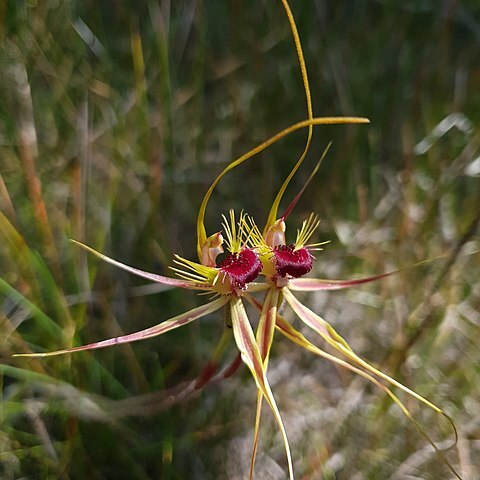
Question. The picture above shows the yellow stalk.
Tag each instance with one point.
(201, 232)
(272, 216)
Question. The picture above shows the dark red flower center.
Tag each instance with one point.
(289, 261)
(241, 268)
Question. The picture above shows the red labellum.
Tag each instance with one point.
(289, 261)
(241, 268)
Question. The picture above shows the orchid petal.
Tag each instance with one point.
(264, 337)
(290, 332)
(317, 284)
(174, 282)
(328, 333)
(201, 232)
(154, 331)
(251, 356)
(256, 432)
(266, 325)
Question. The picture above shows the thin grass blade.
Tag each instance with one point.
(44, 321)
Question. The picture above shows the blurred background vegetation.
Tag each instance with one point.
(115, 118)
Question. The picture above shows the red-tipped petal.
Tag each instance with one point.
(266, 325)
(316, 284)
(264, 336)
(159, 329)
(329, 334)
(248, 347)
(174, 282)
(317, 323)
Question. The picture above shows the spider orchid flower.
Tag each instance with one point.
(284, 266)
(251, 255)
(228, 281)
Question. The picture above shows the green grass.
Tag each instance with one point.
(113, 123)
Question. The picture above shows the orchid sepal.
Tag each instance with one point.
(295, 336)
(246, 343)
(173, 282)
(319, 284)
(201, 231)
(328, 333)
(264, 337)
(159, 329)
(284, 327)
